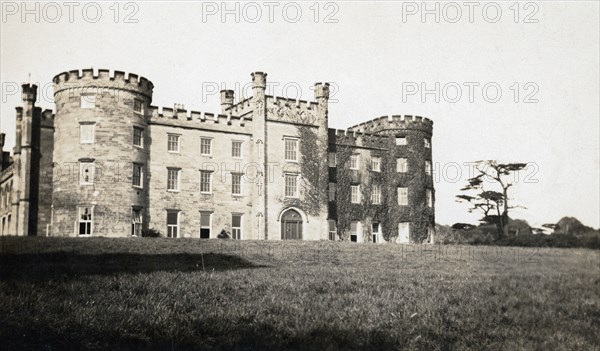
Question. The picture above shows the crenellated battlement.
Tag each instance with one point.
(46, 117)
(357, 138)
(180, 117)
(395, 122)
(242, 108)
(103, 79)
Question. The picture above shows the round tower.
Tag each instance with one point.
(409, 169)
(100, 153)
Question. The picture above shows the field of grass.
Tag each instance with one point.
(144, 293)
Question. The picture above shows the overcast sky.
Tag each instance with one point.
(543, 57)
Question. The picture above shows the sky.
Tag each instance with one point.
(514, 82)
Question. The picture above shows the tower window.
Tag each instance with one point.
(138, 106)
(206, 146)
(355, 194)
(291, 185)
(86, 220)
(376, 164)
(402, 196)
(136, 222)
(138, 136)
(376, 195)
(354, 161)
(236, 184)
(427, 143)
(428, 167)
(138, 175)
(173, 179)
(291, 149)
(332, 229)
(401, 165)
(236, 149)
(87, 132)
(173, 142)
(236, 226)
(87, 172)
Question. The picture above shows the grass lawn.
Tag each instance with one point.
(144, 293)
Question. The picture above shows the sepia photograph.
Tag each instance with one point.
(300, 175)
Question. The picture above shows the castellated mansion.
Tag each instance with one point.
(108, 163)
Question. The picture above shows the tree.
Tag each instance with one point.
(490, 187)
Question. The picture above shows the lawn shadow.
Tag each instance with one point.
(65, 265)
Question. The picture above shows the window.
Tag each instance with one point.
(400, 140)
(354, 230)
(332, 191)
(401, 165)
(403, 232)
(205, 146)
(86, 220)
(136, 222)
(173, 179)
(236, 184)
(291, 149)
(428, 167)
(376, 195)
(138, 137)
(205, 182)
(375, 231)
(205, 227)
(172, 224)
(376, 164)
(236, 226)
(331, 159)
(429, 196)
(355, 194)
(138, 106)
(427, 143)
(354, 161)
(402, 196)
(86, 132)
(236, 149)
(173, 142)
(87, 172)
(291, 185)
(332, 229)
(87, 101)
(138, 175)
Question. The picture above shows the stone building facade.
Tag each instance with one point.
(109, 163)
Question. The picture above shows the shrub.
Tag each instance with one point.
(151, 233)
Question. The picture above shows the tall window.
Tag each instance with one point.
(401, 165)
(376, 164)
(291, 149)
(172, 224)
(138, 106)
(332, 229)
(400, 140)
(376, 195)
(205, 182)
(376, 231)
(236, 149)
(354, 230)
(236, 184)
(427, 143)
(173, 179)
(87, 132)
(429, 196)
(205, 227)
(138, 175)
(87, 172)
(332, 189)
(87, 101)
(236, 226)
(402, 196)
(331, 159)
(355, 194)
(86, 220)
(291, 185)
(428, 167)
(136, 222)
(138, 137)
(354, 161)
(403, 232)
(205, 146)
(173, 142)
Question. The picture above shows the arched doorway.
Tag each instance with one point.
(291, 225)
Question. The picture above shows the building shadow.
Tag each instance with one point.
(66, 265)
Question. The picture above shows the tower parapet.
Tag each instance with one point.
(118, 80)
(395, 122)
